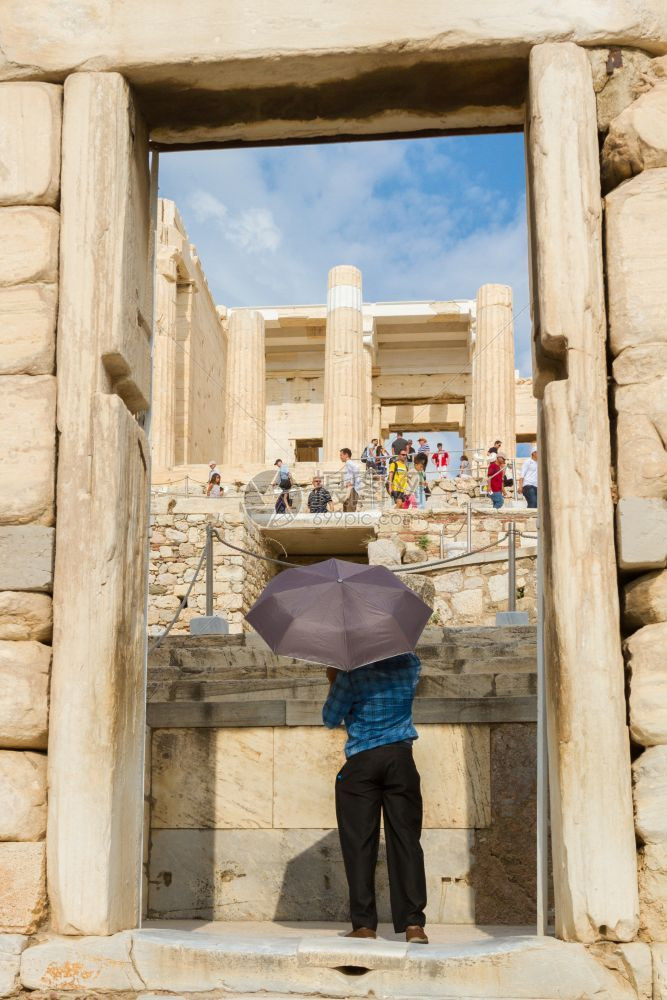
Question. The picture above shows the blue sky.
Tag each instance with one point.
(422, 218)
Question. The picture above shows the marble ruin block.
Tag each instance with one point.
(11, 946)
(30, 125)
(647, 666)
(641, 533)
(28, 245)
(27, 469)
(22, 887)
(636, 260)
(645, 600)
(649, 776)
(213, 778)
(652, 873)
(26, 557)
(637, 138)
(640, 401)
(24, 686)
(22, 795)
(28, 329)
(24, 615)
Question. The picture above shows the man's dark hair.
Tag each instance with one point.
(399, 434)
(346, 451)
(439, 444)
(278, 461)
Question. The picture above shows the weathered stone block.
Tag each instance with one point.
(25, 616)
(31, 117)
(636, 260)
(279, 874)
(659, 957)
(22, 887)
(27, 469)
(22, 795)
(218, 778)
(386, 552)
(641, 533)
(28, 329)
(640, 400)
(616, 90)
(649, 776)
(95, 822)
(62, 965)
(11, 946)
(307, 760)
(652, 874)
(647, 664)
(26, 557)
(24, 685)
(641, 458)
(421, 585)
(454, 764)
(637, 138)
(645, 600)
(28, 245)
(468, 605)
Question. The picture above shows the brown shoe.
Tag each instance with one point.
(361, 932)
(415, 935)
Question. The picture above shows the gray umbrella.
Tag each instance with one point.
(340, 613)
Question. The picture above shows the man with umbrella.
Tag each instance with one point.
(364, 622)
(375, 703)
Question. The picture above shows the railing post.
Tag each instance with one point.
(511, 563)
(187, 487)
(469, 526)
(209, 570)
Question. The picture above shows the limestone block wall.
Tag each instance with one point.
(243, 824)
(635, 170)
(30, 130)
(294, 409)
(177, 540)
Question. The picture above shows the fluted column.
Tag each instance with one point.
(245, 388)
(493, 399)
(344, 365)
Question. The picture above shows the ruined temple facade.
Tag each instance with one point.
(246, 386)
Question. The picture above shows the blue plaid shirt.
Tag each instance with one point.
(375, 702)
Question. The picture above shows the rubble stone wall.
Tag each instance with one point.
(176, 543)
(30, 129)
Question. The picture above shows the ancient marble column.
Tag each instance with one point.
(344, 372)
(493, 405)
(592, 832)
(245, 389)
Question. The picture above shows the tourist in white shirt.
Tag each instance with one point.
(350, 481)
(528, 479)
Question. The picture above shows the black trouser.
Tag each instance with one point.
(384, 778)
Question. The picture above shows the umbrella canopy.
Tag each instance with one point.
(340, 613)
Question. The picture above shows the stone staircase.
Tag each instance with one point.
(468, 675)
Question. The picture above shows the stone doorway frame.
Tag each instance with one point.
(96, 729)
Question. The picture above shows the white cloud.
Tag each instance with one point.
(420, 223)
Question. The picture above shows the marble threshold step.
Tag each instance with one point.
(461, 963)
